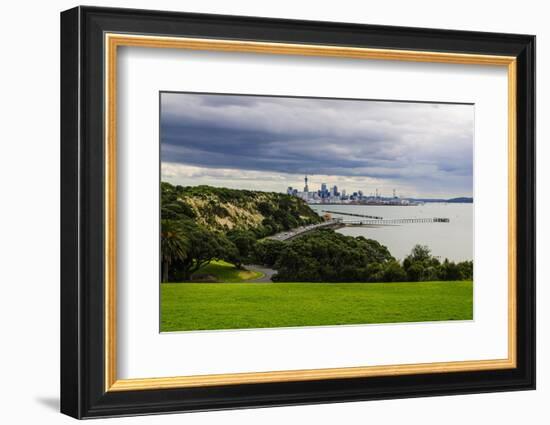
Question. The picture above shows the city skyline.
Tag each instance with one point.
(325, 191)
(270, 143)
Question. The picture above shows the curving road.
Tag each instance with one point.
(267, 273)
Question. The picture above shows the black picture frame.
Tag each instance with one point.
(83, 392)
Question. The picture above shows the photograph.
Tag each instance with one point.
(284, 211)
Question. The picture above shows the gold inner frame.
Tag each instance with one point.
(113, 41)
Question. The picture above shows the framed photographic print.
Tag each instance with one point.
(261, 212)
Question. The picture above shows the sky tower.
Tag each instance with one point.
(306, 188)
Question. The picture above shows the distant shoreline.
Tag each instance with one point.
(362, 204)
(393, 205)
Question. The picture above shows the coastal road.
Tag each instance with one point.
(302, 230)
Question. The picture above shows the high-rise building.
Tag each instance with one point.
(306, 187)
(334, 190)
(324, 193)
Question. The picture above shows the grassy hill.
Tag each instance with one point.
(222, 209)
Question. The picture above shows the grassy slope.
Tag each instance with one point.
(226, 272)
(239, 306)
(222, 209)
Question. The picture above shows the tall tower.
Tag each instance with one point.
(306, 188)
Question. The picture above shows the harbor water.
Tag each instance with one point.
(453, 240)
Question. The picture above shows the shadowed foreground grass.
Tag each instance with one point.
(226, 272)
(203, 306)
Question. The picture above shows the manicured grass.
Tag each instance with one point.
(227, 272)
(202, 306)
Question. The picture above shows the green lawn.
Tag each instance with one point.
(227, 272)
(202, 306)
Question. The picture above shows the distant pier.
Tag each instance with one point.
(338, 222)
(392, 221)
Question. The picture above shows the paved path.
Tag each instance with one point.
(267, 273)
(302, 230)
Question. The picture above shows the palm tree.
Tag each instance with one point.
(173, 245)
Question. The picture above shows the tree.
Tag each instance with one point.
(466, 269)
(174, 245)
(293, 267)
(228, 251)
(270, 226)
(327, 256)
(420, 265)
(373, 273)
(431, 273)
(265, 209)
(267, 251)
(415, 272)
(419, 253)
(203, 246)
(393, 272)
(290, 261)
(172, 207)
(244, 241)
(450, 271)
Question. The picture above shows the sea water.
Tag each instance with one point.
(453, 240)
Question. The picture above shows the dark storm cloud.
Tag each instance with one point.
(427, 144)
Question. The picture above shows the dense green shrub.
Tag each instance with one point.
(244, 241)
(420, 265)
(268, 251)
(326, 256)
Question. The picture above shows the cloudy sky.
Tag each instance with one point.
(270, 143)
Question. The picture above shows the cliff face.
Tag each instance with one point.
(223, 209)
